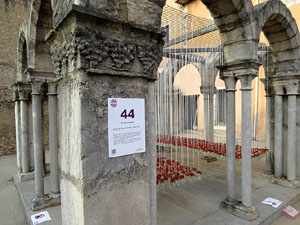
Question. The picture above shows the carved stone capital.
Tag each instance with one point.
(36, 87)
(24, 91)
(292, 87)
(91, 51)
(52, 88)
(278, 88)
(208, 90)
(230, 83)
(238, 69)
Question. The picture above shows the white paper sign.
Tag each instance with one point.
(40, 218)
(126, 126)
(272, 202)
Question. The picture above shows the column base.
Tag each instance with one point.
(209, 159)
(25, 176)
(286, 183)
(268, 173)
(236, 208)
(45, 202)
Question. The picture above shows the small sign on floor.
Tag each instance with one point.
(290, 212)
(272, 202)
(40, 218)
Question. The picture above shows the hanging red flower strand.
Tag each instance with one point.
(205, 147)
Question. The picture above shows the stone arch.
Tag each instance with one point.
(22, 52)
(280, 28)
(236, 24)
(40, 24)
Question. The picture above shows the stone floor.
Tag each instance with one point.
(194, 203)
(11, 212)
(197, 203)
(26, 192)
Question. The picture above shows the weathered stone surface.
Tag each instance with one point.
(85, 163)
(145, 13)
(98, 52)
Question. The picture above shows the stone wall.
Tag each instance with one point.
(12, 13)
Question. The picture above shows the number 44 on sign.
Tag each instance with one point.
(126, 126)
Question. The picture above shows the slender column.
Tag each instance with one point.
(23, 96)
(18, 131)
(53, 142)
(211, 114)
(246, 88)
(269, 157)
(292, 89)
(150, 103)
(206, 117)
(230, 90)
(37, 137)
(278, 132)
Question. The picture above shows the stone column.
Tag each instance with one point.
(150, 106)
(99, 189)
(23, 97)
(279, 91)
(53, 142)
(18, 131)
(37, 138)
(269, 157)
(246, 88)
(292, 91)
(206, 117)
(211, 113)
(230, 90)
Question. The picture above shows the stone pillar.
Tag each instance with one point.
(211, 113)
(150, 109)
(125, 57)
(37, 138)
(245, 72)
(18, 131)
(23, 97)
(230, 90)
(279, 91)
(206, 117)
(246, 88)
(53, 142)
(269, 157)
(292, 91)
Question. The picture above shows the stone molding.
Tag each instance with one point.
(292, 87)
(24, 91)
(89, 50)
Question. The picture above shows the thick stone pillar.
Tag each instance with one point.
(105, 58)
(18, 131)
(53, 141)
(37, 138)
(23, 97)
(292, 91)
(279, 91)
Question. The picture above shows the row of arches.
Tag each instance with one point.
(240, 25)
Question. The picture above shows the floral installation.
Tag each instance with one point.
(206, 147)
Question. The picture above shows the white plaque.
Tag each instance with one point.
(126, 126)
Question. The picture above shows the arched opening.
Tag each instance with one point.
(22, 60)
(43, 26)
